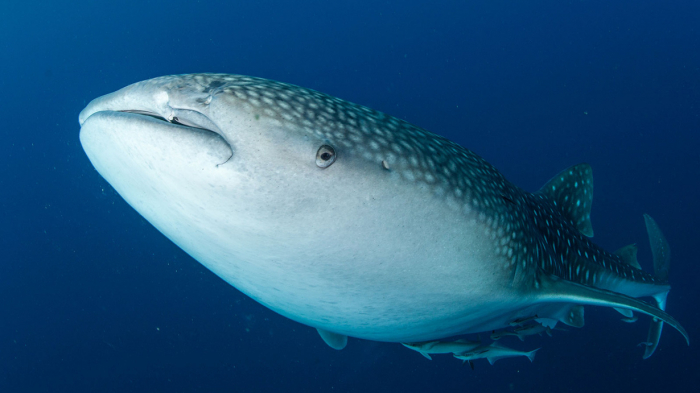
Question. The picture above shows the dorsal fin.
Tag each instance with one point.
(572, 192)
(628, 255)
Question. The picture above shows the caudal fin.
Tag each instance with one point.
(662, 261)
(531, 355)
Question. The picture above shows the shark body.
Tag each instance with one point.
(354, 222)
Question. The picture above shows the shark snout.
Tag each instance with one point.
(164, 103)
(148, 97)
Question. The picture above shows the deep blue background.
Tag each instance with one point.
(94, 299)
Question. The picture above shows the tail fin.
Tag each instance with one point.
(662, 261)
(531, 355)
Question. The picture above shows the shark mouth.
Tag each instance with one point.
(182, 118)
(173, 120)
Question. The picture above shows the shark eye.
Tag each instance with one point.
(325, 156)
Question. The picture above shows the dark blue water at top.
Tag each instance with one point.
(94, 299)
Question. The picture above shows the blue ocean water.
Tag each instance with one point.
(94, 299)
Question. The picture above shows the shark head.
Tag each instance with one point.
(330, 213)
(352, 221)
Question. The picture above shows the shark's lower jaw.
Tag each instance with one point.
(132, 139)
(299, 257)
(352, 221)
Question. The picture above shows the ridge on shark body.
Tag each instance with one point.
(354, 222)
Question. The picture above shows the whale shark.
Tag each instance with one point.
(354, 222)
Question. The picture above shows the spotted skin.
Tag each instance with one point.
(546, 230)
(563, 221)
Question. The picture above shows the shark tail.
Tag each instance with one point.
(662, 261)
(531, 355)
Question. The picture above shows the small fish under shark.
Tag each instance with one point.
(440, 347)
(355, 222)
(494, 352)
(522, 331)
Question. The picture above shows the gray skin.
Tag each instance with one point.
(396, 234)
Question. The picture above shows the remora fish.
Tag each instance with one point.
(494, 352)
(437, 347)
(522, 331)
(354, 222)
(523, 321)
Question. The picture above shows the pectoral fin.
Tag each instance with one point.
(334, 340)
